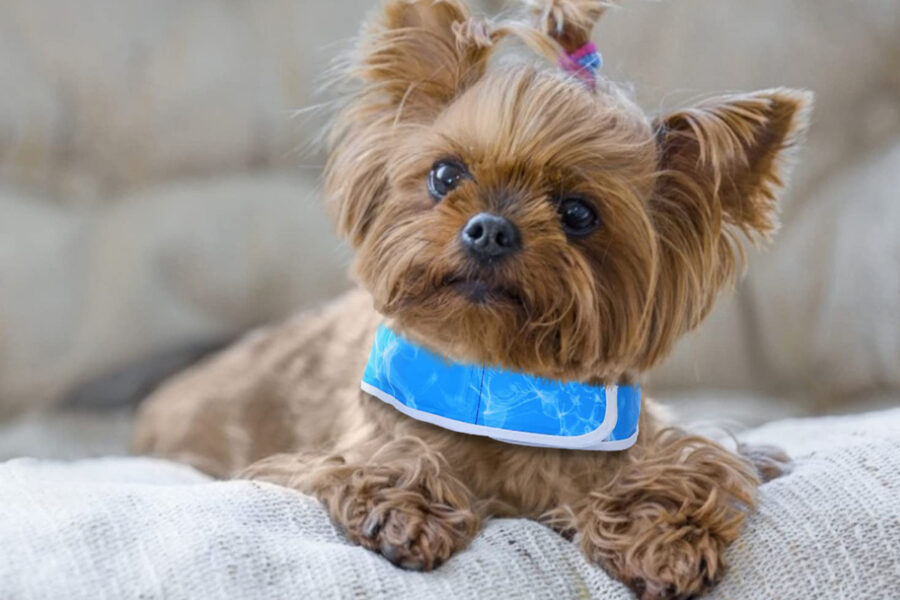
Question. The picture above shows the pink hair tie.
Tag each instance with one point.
(583, 63)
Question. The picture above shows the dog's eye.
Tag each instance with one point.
(577, 216)
(444, 177)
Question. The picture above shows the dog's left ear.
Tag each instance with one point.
(727, 153)
(720, 169)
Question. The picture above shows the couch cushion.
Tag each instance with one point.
(818, 318)
(105, 95)
(86, 290)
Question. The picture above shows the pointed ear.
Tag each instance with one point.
(720, 170)
(412, 60)
(730, 152)
(421, 53)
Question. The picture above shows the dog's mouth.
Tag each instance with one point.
(481, 291)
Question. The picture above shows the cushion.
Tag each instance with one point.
(87, 290)
(130, 527)
(818, 317)
(133, 93)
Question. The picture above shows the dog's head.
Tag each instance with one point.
(517, 215)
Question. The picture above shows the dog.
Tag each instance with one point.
(524, 214)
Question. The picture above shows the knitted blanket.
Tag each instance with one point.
(136, 528)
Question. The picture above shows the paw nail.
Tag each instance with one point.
(390, 552)
(412, 565)
(371, 527)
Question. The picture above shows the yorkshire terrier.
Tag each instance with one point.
(525, 221)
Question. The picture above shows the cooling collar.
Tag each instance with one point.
(507, 406)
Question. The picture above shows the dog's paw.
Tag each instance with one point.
(677, 558)
(680, 562)
(413, 512)
(771, 462)
(413, 533)
(662, 525)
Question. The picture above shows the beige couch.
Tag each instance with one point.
(153, 191)
(152, 195)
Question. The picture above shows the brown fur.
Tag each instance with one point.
(672, 194)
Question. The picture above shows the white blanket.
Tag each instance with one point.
(136, 528)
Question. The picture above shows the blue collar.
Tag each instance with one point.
(509, 407)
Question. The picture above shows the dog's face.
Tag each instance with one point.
(518, 217)
(515, 230)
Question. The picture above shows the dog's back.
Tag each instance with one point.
(279, 389)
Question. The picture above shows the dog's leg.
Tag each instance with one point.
(662, 524)
(402, 501)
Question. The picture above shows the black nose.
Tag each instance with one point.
(488, 237)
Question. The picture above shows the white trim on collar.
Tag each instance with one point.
(595, 440)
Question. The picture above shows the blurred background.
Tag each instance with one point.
(157, 198)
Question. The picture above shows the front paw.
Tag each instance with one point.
(662, 524)
(413, 512)
(411, 532)
(677, 562)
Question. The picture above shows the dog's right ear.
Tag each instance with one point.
(412, 61)
(422, 53)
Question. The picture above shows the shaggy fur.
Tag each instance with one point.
(673, 194)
